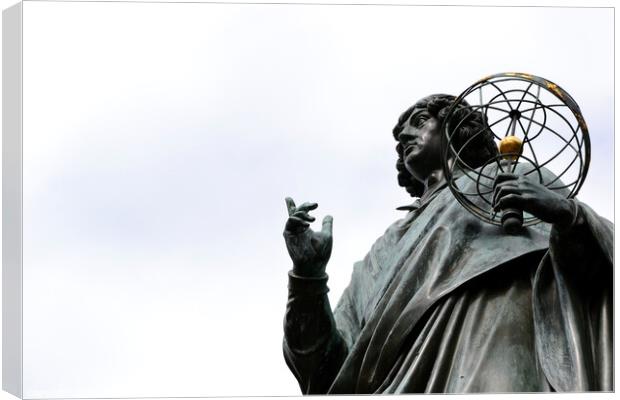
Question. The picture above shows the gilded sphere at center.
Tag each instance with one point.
(510, 144)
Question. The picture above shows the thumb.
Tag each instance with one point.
(290, 205)
(328, 222)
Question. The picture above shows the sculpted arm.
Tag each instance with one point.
(577, 231)
(572, 289)
(313, 348)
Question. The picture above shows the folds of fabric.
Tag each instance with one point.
(446, 303)
(573, 306)
(442, 247)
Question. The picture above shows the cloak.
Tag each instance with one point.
(444, 302)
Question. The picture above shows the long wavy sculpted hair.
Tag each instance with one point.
(477, 152)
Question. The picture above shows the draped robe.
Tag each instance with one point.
(444, 302)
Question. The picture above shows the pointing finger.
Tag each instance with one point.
(328, 223)
(290, 205)
(307, 207)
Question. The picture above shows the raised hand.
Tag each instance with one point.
(521, 193)
(309, 250)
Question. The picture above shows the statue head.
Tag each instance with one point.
(425, 119)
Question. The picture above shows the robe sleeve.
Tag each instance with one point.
(317, 340)
(572, 302)
(313, 348)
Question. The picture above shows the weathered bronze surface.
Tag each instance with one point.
(444, 302)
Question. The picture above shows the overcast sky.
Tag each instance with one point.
(161, 139)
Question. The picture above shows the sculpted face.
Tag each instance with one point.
(421, 142)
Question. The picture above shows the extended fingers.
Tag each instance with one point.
(307, 207)
(293, 210)
(302, 211)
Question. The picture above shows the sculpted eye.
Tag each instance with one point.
(419, 121)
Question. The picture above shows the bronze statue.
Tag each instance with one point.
(444, 302)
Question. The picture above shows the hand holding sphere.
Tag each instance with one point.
(543, 131)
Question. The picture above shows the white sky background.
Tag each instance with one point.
(161, 139)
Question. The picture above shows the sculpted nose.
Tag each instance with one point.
(406, 136)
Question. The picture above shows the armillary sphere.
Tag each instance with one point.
(538, 129)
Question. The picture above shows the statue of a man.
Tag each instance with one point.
(444, 302)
